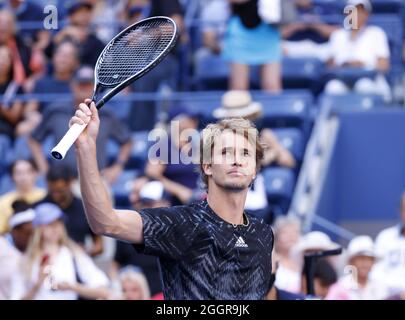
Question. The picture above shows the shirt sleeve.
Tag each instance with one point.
(89, 273)
(167, 232)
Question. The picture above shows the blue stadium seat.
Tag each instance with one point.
(122, 187)
(6, 152)
(6, 184)
(211, 72)
(292, 140)
(139, 152)
(352, 101)
(289, 109)
(280, 183)
(301, 72)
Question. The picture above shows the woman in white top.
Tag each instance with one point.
(54, 267)
(360, 46)
(9, 261)
(287, 231)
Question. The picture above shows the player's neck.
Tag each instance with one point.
(229, 206)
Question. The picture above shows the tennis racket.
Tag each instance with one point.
(127, 57)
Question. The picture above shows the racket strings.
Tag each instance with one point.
(134, 51)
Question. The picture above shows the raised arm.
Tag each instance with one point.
(103, 219)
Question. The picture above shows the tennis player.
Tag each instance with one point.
(207, 250)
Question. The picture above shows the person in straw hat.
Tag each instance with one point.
(357, 284)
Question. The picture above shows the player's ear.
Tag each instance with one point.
(207, 169)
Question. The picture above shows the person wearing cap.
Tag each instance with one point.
(359, 46)
(54, 124)
(357, 284)
(54, 267)
(179, 179)
(60, 183)
(21, 228)
(80, 15)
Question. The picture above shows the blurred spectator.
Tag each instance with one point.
(287, 231)
(324, 277)
(247, 33)
(9, 262)
(24, 175)
(308, 36)
(108, 16)
(136, 10)
(390, 247)
(79, 30)
(20, 52)
(214, 15)
(55, 124)
(143, 115)
(29, 11)
(357, 285)
(134, 285)
(20, 224)
(315, 241)
(60, 181)
(179, 179)
(54, 267)
(11, 110)
(275, 293)
(238, 103)
(65, 61)
(363, 49)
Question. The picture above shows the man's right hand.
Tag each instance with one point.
(86, 115)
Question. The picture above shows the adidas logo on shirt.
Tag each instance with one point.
(240, 243)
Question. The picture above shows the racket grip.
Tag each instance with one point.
(60, 150)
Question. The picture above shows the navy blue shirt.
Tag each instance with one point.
(49, 84)
(204, 257)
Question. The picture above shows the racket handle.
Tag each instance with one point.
(60, 150)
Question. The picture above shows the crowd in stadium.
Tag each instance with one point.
(227, 47)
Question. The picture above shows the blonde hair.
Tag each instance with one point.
(35, 249)
(235, 125)
(137, 276)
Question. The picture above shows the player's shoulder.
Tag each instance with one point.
(172, 212)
